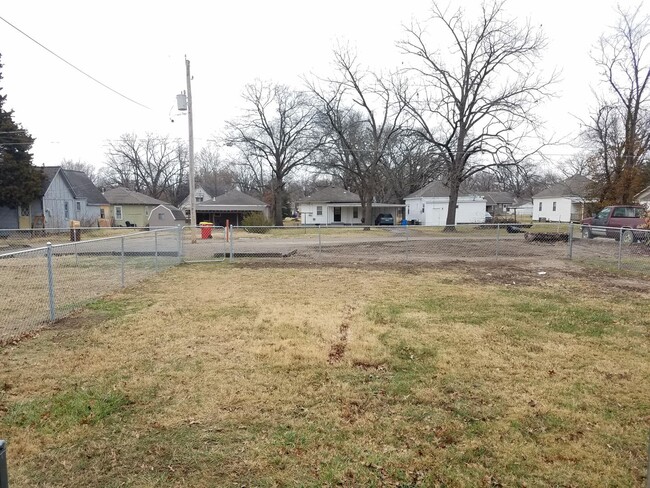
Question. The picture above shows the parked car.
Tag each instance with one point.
(610, 220)
(384, 219)
(488, 217)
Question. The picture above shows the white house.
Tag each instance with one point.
(334, 205)
(520, 208)
(200, 195)
(429, 206)
(562, 202)
(643, 197)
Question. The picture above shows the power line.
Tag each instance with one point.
(73, 66)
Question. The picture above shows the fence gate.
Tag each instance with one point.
(203, 244)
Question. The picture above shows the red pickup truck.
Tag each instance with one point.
(610, 220)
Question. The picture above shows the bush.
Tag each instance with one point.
(257, 223)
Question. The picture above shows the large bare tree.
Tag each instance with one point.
(276, 133)
(475, 106)
(618, 131)
(153, 165)
(363, 117)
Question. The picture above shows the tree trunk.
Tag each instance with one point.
(454, 187)
(277, 186)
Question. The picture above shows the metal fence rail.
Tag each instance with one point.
(42, 283)
(45, 283)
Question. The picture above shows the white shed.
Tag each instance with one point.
(166, 216)
(429, 206)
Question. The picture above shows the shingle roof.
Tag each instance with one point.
(49, 172)
(80, 185)
(497, 197)
(124, 196)
(576, 186)
(434, 189)
(332, 194)
(234, 197)
(83, 187)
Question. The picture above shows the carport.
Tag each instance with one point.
(232, 206)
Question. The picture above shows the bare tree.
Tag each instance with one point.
(363, 117)
(618, 132)
(213, 173)
(408, 166)
(90, 170)
(276, 134)
(153, 165)
(476, 109)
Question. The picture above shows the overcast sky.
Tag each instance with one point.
(137, 47)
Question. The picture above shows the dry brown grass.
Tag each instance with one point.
(247, 376)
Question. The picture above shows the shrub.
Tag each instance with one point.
(257, 223)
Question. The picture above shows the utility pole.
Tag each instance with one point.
(191, 149)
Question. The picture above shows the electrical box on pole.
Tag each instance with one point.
(181, 101)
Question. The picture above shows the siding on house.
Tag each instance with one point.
(8, 218)
(59, 203)
(569, 197)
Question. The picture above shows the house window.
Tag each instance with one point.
(161, 216)
(540, 206)
(319, 210)
(199, 199)
(78, 206)
(422, 208)
(118, 212)
(102, 213)
(24, 211)
(554, 206)
(355, 213)
(66, 210)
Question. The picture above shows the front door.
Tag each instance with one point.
(337, 214)
(24, 218)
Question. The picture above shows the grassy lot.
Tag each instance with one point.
(219, 375)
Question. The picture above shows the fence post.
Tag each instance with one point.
(320, 248)
(122, 264)
(620, 247)
(76, 254)
(570, 240)
(497, 243)
(179, 244)
(4, 474)
(155, 248)
(50, 282)
(232, 244)
(406, 233)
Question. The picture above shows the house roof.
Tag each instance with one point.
(642, 194)
(498, 197)
(332, 194)
(576, 186)
(521, 202)
(80, 185)
(234, 198)
(49, 172)
(434, 189)
(124, 196)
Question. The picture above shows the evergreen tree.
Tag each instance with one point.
(20, 182)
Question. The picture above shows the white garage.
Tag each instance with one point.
(429, 206)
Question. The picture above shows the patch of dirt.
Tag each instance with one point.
(337, 349)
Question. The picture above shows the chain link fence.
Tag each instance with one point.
(46, 282)
(43, 282)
